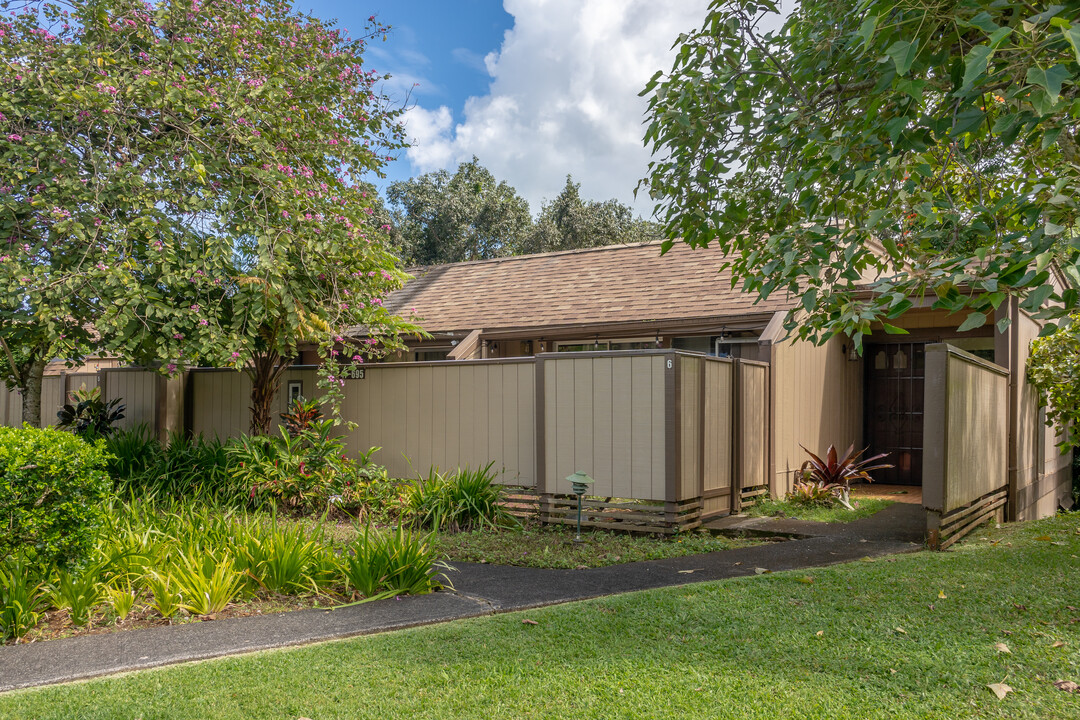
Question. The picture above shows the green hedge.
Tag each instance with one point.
(53, 493)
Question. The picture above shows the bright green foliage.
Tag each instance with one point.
(466, 500)
(469, 215)
(188, 178)
(21, 597)
(53, 492)
(943, 132)
(1053, 367)
(78, 592)
(207, 584)
(570, 223)
(397, 562)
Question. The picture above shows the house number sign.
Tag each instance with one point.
(355, 374)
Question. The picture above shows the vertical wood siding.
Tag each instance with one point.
(10, 407)
(447, 416)
(967, 428)
(605, 416)
(753, 423)
(138, 391)
(719, 382)
(819, 397)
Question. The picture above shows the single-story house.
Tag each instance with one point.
(628, 297)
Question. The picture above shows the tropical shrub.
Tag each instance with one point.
(302, 413)
(834, 474)
(90, 416)
(395, 562)
(53, 494)
(812, 493)
(465, 500)
(303, 470)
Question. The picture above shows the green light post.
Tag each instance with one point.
(580, 482)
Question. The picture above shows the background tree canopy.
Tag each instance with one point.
(442, 218)
(945, 132)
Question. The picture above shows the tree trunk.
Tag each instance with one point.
(31, 393)
(265, 372)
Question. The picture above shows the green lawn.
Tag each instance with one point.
(864, 507)
(906, 637)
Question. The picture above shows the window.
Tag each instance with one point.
(296, 390)
(599, 345)
(430, 355)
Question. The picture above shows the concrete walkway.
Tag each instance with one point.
(479, 590)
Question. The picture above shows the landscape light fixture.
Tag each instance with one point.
(579, 482)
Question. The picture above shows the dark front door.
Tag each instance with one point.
(894, 409)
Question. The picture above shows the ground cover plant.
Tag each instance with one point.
(539, 546)
(922, 635)
(862, 508)
(156, 563)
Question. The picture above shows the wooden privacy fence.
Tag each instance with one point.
(671, 438)
(966, 443)
(139, 390)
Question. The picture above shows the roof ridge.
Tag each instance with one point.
(554, 253)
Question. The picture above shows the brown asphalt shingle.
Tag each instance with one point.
(620, 283)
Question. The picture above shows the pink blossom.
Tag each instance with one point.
(14, 138)
(236, 355)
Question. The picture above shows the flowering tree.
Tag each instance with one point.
(946, 132)
(185, 179)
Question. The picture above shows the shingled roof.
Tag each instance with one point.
(606, 285)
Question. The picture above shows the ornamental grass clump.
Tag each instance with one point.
(396, 562)
(466, 500)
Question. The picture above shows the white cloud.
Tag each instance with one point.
(428, 131)
(563, 98)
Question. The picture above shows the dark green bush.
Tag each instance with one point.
(183, 467)
(53, 494)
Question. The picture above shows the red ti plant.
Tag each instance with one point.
(834, 474)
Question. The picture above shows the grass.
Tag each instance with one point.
(540, 546)
(906, 637)
(552, 547)
(864, 507)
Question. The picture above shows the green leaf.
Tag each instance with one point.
(1004, 323)
(866, 30)
(1072, 36)
(967, 121)
(1050, 80)
(903, 54)
(973, 320)
(893, 330)
(975, 65)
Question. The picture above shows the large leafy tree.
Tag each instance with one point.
(570, 223)
(468, 215)
(930, 147)
(181, 183)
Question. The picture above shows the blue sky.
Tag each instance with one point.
(536, 89)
